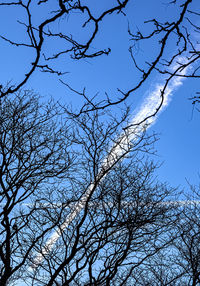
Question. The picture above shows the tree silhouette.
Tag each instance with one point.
(48, 160)
(174, 34)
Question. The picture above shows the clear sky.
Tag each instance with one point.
(177, 125)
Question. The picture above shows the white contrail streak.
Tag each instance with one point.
(143, 119)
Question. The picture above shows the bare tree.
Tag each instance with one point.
(187, 254)
(177, 51)
(178, 263)
(33, 153)
(118, 229)
(174, 34)
(48, 160)
(162, 269)
(36, 31)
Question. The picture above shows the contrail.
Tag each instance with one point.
(142, 120)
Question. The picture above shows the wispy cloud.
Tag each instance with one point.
(153, 100)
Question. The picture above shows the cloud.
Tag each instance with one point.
(153, 101)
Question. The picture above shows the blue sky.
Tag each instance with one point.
(177, 125)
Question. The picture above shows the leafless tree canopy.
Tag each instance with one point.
(48, 160)
(126, 233)
(179, 263)
(33, 152)
(175, 39)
